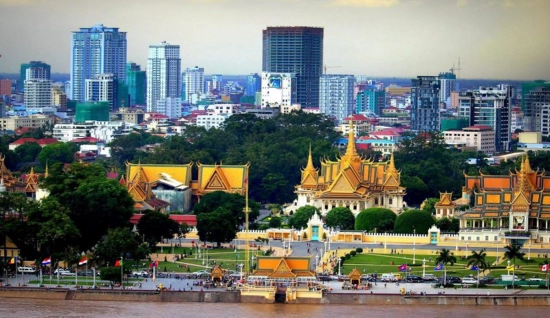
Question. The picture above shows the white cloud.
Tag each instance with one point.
(366, 3)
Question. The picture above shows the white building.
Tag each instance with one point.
(278, 90)
(170, 106)
(101, 88)
(336, 96)
(68, 132)
(211, 121)
(163, 73)
(193, 79)
(218, 109)
(38, 89)
(482, 138)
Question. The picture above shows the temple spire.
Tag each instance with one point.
(391, 167)
(310, 160)
(351, 151)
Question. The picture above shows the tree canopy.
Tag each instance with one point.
(232, 202)
(154, 226)
(381, 219)
(217, 226)
(340, 217)
(301, 216)
(413, 221)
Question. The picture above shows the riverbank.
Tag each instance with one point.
(235, 297)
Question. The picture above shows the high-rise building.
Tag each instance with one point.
(534, 97)
(217, 82)
(104, 87)
(490, 106)
(38, 88)
(297, 50)
(59, 98)
(5, 87)
(40, 70)
(278, 89)
(170, 106)
(371, 99)
(336, 96)
(253, 84)
(96, 50)
(447, 85)
(425, 103)
(136, 81)
(194, 84)
(163, 73)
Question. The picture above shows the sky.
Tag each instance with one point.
(494, 39)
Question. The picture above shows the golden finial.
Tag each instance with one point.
(310, 160)
(351, 151)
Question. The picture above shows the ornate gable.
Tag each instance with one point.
(217, 182)
(282, 270)
(341, 184)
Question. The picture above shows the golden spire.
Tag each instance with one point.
(310, 160)
(523, 184)
(351, 151)
(527, 165)
(391, 170)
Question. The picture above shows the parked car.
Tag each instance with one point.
(535, 279)
(487, 280)
(86, 273)
(450, 280)
(414, 279)
(469, 281)
(324, 278)
(429, 278)
(388, 278)
(64, 272)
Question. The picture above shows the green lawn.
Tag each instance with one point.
(217, 256)
(382, 263)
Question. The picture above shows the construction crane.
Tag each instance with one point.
(453, 69)
(325, 68)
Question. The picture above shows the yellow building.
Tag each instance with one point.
(516, 205)
(169, 187)
(351, 181)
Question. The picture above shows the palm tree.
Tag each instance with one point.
(513, 251)
(445, 257)
(478, 260)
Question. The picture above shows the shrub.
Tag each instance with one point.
(411, 221)
(347, 256)
(359, 250)
(375, 218)
(353, 253)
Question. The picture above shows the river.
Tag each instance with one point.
(61, 308)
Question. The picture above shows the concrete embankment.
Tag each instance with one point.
(235, 297)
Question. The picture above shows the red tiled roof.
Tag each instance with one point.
(47, 141)
(22, 141)
(190, 219)
(479, 127)
(357, 117)
(85, 139)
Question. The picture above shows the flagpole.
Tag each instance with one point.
(76, 276)
(121, 271)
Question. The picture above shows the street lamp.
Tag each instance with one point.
(316, 262)
(414, 246)
(424, 268)
(529, 248)
(93, 269)
(236, 260)
(339, 272)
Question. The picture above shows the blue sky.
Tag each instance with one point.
(501, 39)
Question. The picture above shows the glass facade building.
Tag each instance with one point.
(297, 50)
(96, 50)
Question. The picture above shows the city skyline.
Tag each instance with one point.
(495, 39)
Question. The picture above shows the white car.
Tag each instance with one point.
(469, 281)
(64, 272)
(534, 279)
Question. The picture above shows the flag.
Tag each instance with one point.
(47, 261)
(154, 264)
(402, 268)
(545, 268)
(118, 263)
(13, 260)
(510, 268)
(474, 268)
(83, 260)
(439, 267)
